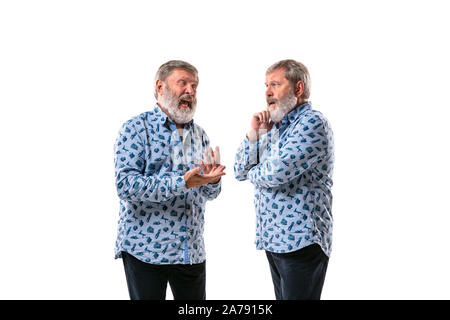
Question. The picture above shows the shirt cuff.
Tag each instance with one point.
(179, 185)
(215, 185)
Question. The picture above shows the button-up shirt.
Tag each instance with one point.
(161, 221)
(291, 168)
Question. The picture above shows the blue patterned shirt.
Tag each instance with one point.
(161, 221)
(291, 168)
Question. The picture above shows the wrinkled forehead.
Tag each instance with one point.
(182, 74)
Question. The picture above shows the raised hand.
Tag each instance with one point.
(211, 162)
(209, 171)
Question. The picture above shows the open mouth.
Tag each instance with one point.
(185, 104)
(271, 102)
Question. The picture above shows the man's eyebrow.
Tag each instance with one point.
(187, 79)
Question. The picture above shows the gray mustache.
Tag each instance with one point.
(186, 97)
(271, 100)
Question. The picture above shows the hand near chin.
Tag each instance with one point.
(260, 124)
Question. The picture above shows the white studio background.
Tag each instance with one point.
(71, 72)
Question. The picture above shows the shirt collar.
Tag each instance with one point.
(159, 116)
(293, 115)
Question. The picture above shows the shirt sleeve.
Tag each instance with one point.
(246, 158)
(211, 191)
(301, 149)
(129, 163)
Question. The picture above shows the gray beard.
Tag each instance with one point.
(284, 106)
(171, 102)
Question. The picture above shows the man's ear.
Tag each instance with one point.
(159, 87)
(299, 88)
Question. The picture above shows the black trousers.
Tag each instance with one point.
(149, 281)
(298, 275)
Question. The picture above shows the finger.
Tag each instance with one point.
(217, 155)
(220, 168)
(207, 162)
(218, 175)
(267, 116)
(210, 161)
(217, 170)
(211, 156)
(214, 175)
(202, 165)
(260, 117)
(206, 157)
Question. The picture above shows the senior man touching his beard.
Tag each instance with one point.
(288, 155)
(163, 185)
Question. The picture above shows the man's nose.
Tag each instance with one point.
(189, 89)
(269, 92)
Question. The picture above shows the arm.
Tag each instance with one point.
(129, 163)
(245, 159)
(306, 145)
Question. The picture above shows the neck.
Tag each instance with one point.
(300, 102)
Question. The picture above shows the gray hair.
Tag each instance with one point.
(294, 71)
(166, 69)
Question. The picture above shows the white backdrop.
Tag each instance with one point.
(71, 72)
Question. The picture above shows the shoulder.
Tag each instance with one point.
(140, 119)
(136, 123)
(313, 120)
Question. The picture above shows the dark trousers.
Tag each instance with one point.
(149, 281)
(298, 275)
